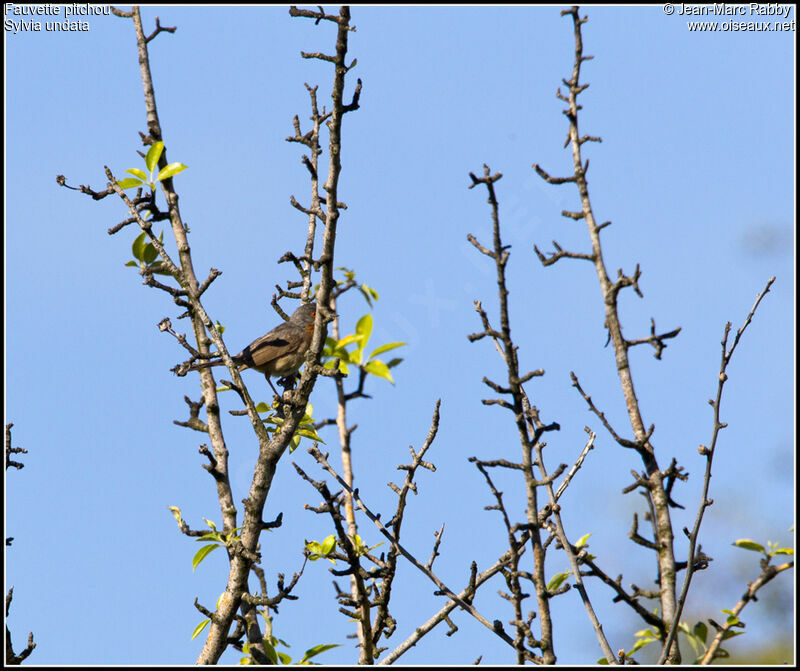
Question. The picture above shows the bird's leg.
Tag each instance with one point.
(269, 382)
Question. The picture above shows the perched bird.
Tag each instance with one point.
(281, 351)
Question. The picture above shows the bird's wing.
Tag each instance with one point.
(278, 342)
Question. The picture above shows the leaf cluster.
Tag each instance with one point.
(141, 178)
(336, 354)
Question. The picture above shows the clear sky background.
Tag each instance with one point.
(696, 171)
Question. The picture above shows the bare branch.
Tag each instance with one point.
(767, 574)
(708, 452)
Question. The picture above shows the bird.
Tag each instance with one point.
(280, 351)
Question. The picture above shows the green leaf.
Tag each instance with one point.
(747, 544)
(339, 353)
(176, 513)
(232, 534)
(366, 295)
(639, 645)
(343, 369)
(368, 292)
(645, 637)
(364, 327)
(731, 619)
(317, 649)
(321, 550)
(701, 631)
(310, 434)
(150, 253)
(129, 183)
(132, 263)
(784, 551)
(170, 170)
(385, 348)
(285, 659)
(394, 362)
(153, 154)
(138, 247)
(582, 540)
(202, 553)
(210, 524)
(353, 337)
(138, 173)
(693, 641)
(380, 369)
(200, 628)
(270, 650)
(263, 407)
(556, 581)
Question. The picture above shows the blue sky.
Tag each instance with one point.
(696, 171)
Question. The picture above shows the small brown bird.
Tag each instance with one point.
(279, 352)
